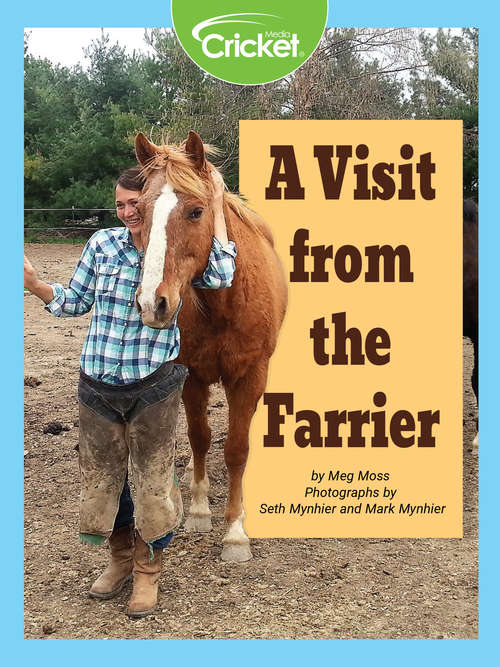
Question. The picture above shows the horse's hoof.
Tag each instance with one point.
(475, 442)
(236, 553)
(198, 524)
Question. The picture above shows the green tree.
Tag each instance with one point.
(77, 139)
(107, 77)
(50, 106)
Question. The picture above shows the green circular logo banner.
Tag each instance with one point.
(246, 42)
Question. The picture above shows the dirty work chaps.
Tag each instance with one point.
(135, 420)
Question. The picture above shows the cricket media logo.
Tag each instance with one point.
(264, 45)
(249, 47)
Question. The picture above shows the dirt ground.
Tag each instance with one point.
(314, 589)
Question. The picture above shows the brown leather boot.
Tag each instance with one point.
(117, 573)
(146, 577)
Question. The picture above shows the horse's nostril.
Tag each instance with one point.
(161, 307)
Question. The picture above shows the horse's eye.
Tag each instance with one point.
(195, 213)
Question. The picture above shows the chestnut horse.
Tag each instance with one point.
(227, 335)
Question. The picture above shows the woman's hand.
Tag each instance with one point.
(218, 185)
(30, 277)
(220, 231)
(42, 290)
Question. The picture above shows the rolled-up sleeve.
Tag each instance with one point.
(220, 268)
(78, 298)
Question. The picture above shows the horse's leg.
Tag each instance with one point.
(475, 375)
(475, 380)
(195, 397)
(242, 400)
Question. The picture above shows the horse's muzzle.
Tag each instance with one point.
(159, 317)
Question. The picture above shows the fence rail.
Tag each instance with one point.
(73, 208)
(77, 227)
(39, 234)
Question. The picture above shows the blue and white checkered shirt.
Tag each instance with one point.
(119, 349)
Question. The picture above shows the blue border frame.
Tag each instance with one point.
(127, 13)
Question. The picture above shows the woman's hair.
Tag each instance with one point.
(131, 179)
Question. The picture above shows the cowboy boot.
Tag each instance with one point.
(146, 578)
(117, 573)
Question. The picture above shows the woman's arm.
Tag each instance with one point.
(220, 231)
(72, 301)
(221, 265)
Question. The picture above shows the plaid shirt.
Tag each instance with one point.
(119, 349)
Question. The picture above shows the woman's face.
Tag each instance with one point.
(126, 203)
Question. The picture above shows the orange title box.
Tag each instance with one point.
(359, 433)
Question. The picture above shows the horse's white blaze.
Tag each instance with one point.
(154, 261)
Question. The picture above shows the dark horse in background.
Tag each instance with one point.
(470, 283)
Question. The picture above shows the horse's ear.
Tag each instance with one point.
(144, 149)
(194, 148)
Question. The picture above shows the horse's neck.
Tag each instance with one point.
(213, 306)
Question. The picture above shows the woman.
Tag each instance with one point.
(129, 393)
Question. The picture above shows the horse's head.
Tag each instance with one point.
(178, 224)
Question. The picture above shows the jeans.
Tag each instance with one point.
(125, 517)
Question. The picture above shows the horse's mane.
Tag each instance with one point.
(180, 174)
(237, 204)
